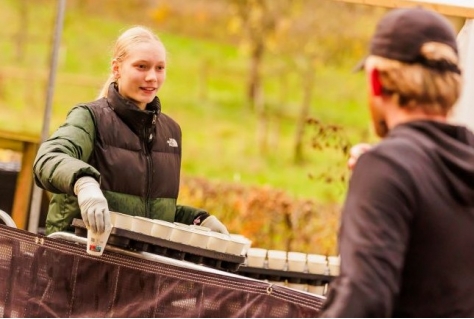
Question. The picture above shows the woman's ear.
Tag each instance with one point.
(375, 82)
(115, 69)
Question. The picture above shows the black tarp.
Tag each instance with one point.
(46, 277)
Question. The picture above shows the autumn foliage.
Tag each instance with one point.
(272, 218)
(269, 217)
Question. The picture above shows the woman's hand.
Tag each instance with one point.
(215, 225)
(94, 207)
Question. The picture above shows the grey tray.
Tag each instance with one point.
(140, 242)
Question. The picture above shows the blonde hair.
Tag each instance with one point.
(128, 39)
(433, 90)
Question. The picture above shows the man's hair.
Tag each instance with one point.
(416, 86)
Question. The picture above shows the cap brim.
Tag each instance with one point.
(360, 65)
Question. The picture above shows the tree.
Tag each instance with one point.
(22, 34)
(315, 38)
(257, 21)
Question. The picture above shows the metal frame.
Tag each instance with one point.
(7, 219)
(147, 256)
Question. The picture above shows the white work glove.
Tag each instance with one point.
(215, 225)
(94, 208)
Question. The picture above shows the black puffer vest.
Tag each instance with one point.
(138, 153)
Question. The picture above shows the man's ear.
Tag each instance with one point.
(375, 82)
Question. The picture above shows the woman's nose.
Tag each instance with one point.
(151, 76)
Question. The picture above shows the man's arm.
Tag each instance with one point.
(373, 240)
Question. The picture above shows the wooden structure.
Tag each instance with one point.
(463, 112)
(456, 8)
(27, 145)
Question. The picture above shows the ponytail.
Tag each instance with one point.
(105, 89)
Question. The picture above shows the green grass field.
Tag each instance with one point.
(204, 92)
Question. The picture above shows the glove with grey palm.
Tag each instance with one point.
(93, 205)
(215, 225)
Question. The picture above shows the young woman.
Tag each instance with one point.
(120, 152)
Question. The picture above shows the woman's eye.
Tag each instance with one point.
(142, 66)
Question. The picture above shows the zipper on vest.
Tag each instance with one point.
(147, 147)
(149, 168)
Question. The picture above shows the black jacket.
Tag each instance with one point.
(135, 154)
(407, 234)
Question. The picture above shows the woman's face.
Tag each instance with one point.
(141, 74)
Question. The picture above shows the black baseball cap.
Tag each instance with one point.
(401, 33)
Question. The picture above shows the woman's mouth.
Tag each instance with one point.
(148, 90)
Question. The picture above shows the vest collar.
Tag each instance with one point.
(141, 122)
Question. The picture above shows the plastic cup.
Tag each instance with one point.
(142, 225)
(256, 257)
(236, 246)
(247, 241)
(317, 290)
(96, 242)
(277, 259)
(113, 217)
(317, 264)
(298, 286)
(217, 241)
(161, 229)
(199, 238)
(181, 233)
(122, 221)
(334, 265)
(296, 261)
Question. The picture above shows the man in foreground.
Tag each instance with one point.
(406, 234)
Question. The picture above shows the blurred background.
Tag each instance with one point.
(263, 90)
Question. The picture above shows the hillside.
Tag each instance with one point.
(204, 92)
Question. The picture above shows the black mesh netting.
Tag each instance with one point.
(46, 277)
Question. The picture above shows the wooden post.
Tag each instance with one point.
(24, 185)
(28, 146)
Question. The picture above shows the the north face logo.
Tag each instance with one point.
(172, 142)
